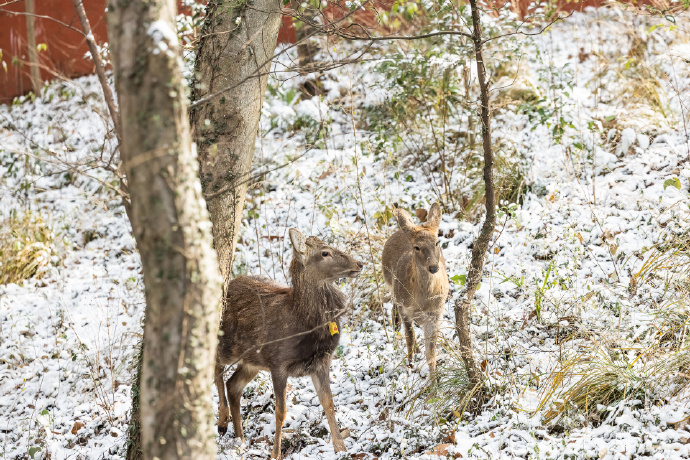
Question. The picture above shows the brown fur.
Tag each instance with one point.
(284, 330)
(418, 294)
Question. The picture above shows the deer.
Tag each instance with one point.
(288, 331)
(415, 273)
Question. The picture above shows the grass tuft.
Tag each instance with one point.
(590, 385)
(26, 244)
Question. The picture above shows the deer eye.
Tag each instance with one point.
(416, 248)
(325, 253)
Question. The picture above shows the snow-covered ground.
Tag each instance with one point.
(595, 204)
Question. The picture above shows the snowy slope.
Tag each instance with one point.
(68, 337)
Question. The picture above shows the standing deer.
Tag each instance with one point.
(415, 273)
(291, 332)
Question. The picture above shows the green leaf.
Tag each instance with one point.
(675, 182)
(45, 412)
(459, 279)
(33, 450)
(610, 117)
(654, 27)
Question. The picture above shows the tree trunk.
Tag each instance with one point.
(235, 51)
(34, 69)
(170, 223)
(481, 244)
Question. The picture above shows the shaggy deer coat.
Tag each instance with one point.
(415, 273)
(267, 326)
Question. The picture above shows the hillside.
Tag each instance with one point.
(587, 279)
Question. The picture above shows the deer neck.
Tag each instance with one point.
(426, 281)
(317, 302)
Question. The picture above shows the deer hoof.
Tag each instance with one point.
(222, 430)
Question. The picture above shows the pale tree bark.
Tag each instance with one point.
(172, 230)
(232, 65)
(481, 244)
(34, 69)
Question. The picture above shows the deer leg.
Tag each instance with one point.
(223, 415)
(431, 326)
(323, 390)
(395, 317)
(410, 339)
(280, 390)
(235, 386)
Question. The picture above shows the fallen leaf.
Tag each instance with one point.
(442, 451)
(326, 173)
(607, 235)
(76, 427)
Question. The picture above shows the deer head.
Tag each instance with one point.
(319, 261)
(423, 238)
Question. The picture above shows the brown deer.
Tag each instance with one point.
(291, 332)
(415, 273)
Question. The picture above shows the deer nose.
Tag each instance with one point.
(433, 268)
(360, 264)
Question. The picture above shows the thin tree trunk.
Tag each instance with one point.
(306, 47)
(107, 94)
(170, 223)
(236, 43)
(481, 244)
(34, 69)
(100, 68)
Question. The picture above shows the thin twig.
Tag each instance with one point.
(100, 69)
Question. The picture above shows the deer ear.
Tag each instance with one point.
(404, 220)
(434, 217)
(298, 240)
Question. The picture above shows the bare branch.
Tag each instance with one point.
(100, 69)
(528, 34)
(10, 12)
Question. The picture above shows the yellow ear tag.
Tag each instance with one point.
(333, 327)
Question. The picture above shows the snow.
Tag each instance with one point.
(68, 337)
(164, 37)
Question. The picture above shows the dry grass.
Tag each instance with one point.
(450, 396)
(26, 244)
(590, 384)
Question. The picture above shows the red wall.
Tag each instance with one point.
(66, 47)
(64, 57)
